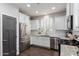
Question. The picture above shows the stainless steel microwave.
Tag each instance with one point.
(70, 22)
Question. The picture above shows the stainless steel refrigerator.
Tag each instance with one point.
(24, 39)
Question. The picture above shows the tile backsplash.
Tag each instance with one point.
(60, 33)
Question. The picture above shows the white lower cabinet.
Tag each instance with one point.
(41, 41)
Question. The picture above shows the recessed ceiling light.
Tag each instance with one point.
(36, 11)
(28, 5)
(45, 13)
(53, 8)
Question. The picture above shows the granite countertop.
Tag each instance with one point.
(39, 35)
(69, 42)
(68, 47)
(65, 38)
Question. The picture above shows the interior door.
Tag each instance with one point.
(9, 35)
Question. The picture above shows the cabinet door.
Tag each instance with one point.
(28, 24)
(41, 41)
(60, 23)
(69, 9)
(25, 20)
(21, 19)
(76, 16)
(34, 24)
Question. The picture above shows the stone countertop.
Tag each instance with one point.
(67, 50)
(44, 35)
(40, 35)
(69, 42)
(64, 38)
(68, 47)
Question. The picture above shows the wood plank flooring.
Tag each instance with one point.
(37, 51)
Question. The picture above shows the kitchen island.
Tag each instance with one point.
(68, 47)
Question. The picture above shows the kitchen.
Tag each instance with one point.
(46, 26)
(55, 27)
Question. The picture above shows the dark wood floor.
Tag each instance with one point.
(37, 51)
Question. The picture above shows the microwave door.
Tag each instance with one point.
(68, 23)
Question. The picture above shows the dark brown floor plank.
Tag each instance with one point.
(37, 51)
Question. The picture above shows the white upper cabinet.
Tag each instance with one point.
(73, 9)
(61, 23)
(21, 19)
(34, 24)
(26, 20)
(76, 16)
(69, 9)
(44, 25)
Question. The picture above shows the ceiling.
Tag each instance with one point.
(42, 8)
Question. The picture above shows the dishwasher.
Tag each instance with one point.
(54, 43)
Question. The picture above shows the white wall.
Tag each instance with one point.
(9, 9)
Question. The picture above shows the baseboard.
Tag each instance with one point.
(44, 47)
(40, 46)
(54, 49)
(23, 50)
